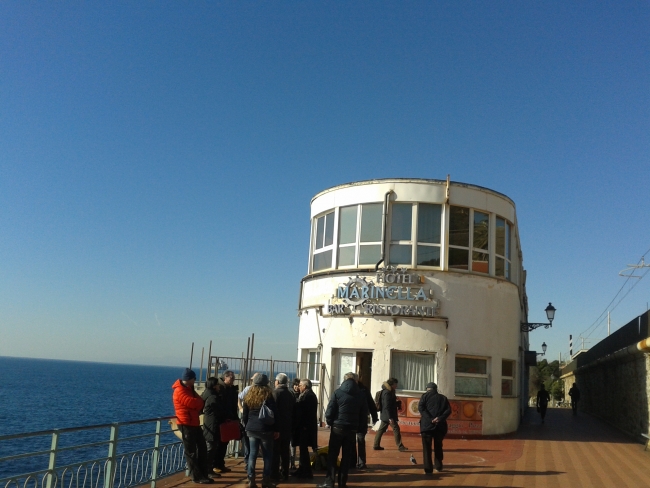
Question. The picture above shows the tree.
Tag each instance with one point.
(548, 374)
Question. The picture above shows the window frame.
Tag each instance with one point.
(486, 376)
(507, 248)
(417, 241)
(509, 378)
(402, 242)
(315, 364)
(394, 374)
(325, 248)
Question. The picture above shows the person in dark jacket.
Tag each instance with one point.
(213, 417)
(388, 415)
(285, 404)
(434, 409)
(295, 389)
(228, 392)
(306, 430)
(542, 401)
(360, 461)
(346, 411)
(574, 393)
(187, 406)
(259, 432)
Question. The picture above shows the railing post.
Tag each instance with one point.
(109, 474)
(51, 482)
(155, 456)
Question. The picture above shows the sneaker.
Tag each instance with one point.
(222, 470)
(378, 448)
(214, 475)
(403, 448)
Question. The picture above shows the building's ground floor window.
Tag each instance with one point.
(507, 378)
(413, 370)
(471, 376)
(313, 365)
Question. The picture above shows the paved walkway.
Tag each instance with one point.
(565, 451)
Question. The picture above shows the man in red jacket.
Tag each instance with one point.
(188, 406)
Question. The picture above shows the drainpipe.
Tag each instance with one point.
(384, 224)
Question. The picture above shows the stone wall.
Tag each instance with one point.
(618, 392)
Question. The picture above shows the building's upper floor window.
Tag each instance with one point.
(476, 241)
(323, 241)
(502, 262)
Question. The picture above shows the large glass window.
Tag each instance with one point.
(429, 231)
(413, 370)
(323, 240)
(507, 378)
(400, 234)
(370, 234)
(502, 260)
(471, 376)
(348, 235)
(459, 238)
(480, 243)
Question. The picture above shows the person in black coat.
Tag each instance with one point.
(360, 461)
(306, 427)
(542, 401)
(574, 393)
(388, 415)
(285, 406)
(434, 410)
(346, 411)
(213, 417)
(229, 393)
(295, 389)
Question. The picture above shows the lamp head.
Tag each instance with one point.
(544, 346)
(550, 312)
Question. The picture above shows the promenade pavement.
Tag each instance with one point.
(566, 450)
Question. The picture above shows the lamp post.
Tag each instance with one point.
(543, 353)
(550, 315)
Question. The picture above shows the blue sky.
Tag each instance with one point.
(157, 160)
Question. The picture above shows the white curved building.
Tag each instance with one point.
(421, 280)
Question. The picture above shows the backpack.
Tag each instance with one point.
(378, 400)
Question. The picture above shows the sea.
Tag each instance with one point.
(43, 394)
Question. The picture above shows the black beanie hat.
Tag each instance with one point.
(188, 374)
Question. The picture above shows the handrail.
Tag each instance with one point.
(87, 427)
(147, 463)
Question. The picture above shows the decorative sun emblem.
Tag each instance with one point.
(355, 295)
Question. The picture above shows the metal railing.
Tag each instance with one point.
(78, 457)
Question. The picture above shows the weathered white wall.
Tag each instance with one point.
(483, 312)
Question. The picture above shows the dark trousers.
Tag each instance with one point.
(340, 439)
(436, 438)
(383, 427)
(212, 453)
(196, 451)
(220, 456)
(359, 450)
(305, 462)
(281, 456)
(574, 406)
(542, 411)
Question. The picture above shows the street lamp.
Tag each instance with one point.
(550, 315)
(543, 353)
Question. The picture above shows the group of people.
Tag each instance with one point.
(275, 421)
(347, 415)
(278, 421)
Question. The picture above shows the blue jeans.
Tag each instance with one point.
(266, 441)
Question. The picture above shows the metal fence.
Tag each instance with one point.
(244, 368)
(148, 452)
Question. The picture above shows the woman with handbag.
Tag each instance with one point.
(259, 418)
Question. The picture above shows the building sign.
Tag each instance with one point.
(360, 296)
(466, 416)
